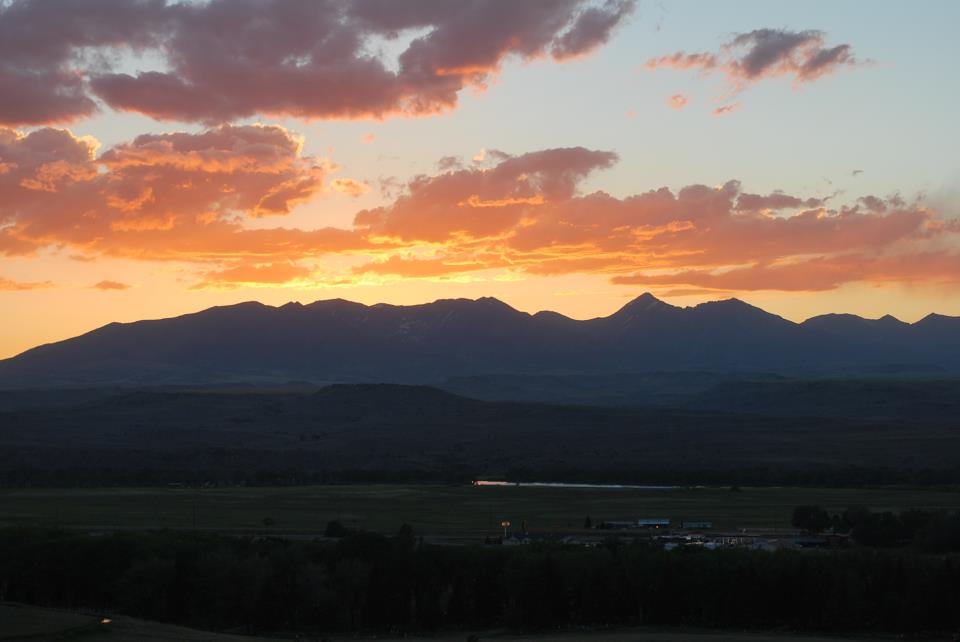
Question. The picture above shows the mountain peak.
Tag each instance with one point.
(729, 304)
(851, 323)
(733, 302)
(647, 297)
(482, 303)
(937, 320)
(734, 310)
(493, 301)
(890, 320)
(645, 302)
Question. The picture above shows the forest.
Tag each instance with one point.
(370, 583)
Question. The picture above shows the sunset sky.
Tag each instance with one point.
(158, 158)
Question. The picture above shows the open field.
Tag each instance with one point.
(432, 510)
(19, 622)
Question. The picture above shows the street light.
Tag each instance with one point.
(506, 525)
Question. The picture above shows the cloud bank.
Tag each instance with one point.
(536, 220)
(221, 60)
(174, 196)
(193, 197)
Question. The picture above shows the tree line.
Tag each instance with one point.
(371, 583)
(929, 531)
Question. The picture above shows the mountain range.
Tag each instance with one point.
(341, 341)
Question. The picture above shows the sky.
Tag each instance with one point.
(161, 157)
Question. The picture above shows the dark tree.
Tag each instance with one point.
(811, 518)
(336, 529)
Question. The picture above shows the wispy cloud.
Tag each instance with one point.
(722, 110)
(748, 58)
(350, 187)
(817, 274)
(677, 101)
(10, 285)
(248, 273)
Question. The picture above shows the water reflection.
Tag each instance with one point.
(492, 482)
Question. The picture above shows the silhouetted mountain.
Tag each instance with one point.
(337, 340)
(847, 327)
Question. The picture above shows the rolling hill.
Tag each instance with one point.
(782, 432)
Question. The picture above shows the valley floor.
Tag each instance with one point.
(467, 512)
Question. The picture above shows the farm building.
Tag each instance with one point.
(653, 523)
(696, 524)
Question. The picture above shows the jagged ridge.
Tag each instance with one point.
(338, 340)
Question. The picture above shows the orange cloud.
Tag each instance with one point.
(432, 209)
(476, 201)
(349, 187)
(699, 236)
(171, 196)
(224, 60)
(15, 286)
(111, 285)
(677, 101)
(525, 214)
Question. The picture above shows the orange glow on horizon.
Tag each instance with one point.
(314, 151)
